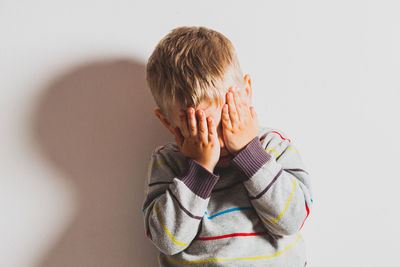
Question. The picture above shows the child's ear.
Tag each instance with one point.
(247, 86)
(163, 120)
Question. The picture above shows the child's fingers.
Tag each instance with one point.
(212, 130)
(242, 106)
(192, 122)
(202, 129)
(238, 103)
(232, 109)
(226, 121)
(253, 113)
(184, 128)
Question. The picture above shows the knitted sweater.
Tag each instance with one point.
(249, 214)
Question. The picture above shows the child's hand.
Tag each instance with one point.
(239, 122)
(198, 140)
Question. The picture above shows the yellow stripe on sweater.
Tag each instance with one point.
(286, 206)
(166, 229)
(155, 163)
(292, 148)
(273, 150)
(276, 152)
(235, 259)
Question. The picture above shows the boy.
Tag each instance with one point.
(229, 192)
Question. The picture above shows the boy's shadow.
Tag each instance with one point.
(95, 124)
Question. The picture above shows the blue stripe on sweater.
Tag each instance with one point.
(227, 211)
(154, 198)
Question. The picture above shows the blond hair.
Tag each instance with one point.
(188, 66)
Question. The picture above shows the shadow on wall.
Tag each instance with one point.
(96, 125)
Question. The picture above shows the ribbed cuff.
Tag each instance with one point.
(199, 179)
(251, 158)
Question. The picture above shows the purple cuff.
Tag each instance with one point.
(199, 179)
(251, 158)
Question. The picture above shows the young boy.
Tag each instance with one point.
(229, 192)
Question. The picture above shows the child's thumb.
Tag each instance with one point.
(253, 112)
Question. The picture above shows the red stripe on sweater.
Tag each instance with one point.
(308, 212)
(230, 235)
(158, 151)
(281, 136)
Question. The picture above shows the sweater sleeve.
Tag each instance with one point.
(277, 182)
(175, 204)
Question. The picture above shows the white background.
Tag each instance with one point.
(77, 127)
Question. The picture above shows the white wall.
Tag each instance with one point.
(77, 127)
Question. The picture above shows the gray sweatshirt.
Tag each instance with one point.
(249, 214)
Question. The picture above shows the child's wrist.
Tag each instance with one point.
(209, 167)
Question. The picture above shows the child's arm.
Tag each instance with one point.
(174, 206)
(277, 181)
